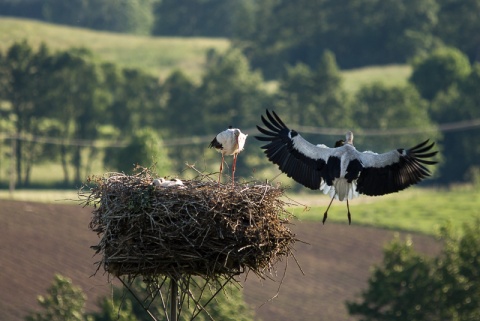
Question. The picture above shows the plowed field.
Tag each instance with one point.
(39, 240)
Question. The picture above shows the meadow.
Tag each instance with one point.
(156, 55)
(423, 210)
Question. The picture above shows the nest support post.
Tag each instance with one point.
(173, 300)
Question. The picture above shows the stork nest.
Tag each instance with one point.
(201, 228)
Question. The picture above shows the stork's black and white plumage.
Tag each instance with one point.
(229, 142)
(343, 172)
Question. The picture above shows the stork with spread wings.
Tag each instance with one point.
(343, 172)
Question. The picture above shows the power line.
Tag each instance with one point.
(196, 140)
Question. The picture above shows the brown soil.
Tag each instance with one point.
(39, 240)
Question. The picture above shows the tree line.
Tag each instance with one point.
(273, 33)
(84, 102)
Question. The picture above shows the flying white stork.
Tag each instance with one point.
(229, 142)
(343, 172)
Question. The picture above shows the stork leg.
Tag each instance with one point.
(221, 169)
(326, 212)
(349, 216)
(233, 168)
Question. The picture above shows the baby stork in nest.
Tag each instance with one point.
(229, 142)
(343, 172)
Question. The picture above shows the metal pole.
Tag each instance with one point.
(173, 300)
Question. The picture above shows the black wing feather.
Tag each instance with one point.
(408, 170)
(281, 151)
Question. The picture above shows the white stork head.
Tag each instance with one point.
(349, 138)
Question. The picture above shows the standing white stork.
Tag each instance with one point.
(229, 142)
(343, 172)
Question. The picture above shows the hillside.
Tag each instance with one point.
(39, 240)
(160, 55)
(153, 54)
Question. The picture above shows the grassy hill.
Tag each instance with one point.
(390, 75)
(159, 55)
(156, 55)
(39, 240)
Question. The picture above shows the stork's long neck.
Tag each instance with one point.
(349, 138)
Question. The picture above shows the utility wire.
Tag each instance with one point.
(196, 140)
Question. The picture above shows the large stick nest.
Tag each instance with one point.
(201, 228)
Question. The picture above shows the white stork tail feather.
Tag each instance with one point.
(342, 171)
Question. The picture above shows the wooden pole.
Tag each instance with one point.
(173, 300)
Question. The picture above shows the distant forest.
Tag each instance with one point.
(302, 45)
(272, 33)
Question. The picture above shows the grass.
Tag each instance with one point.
(416, 209)
(158, 55)
(51, 196)
(390, 75)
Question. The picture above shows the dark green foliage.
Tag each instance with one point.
(21, 77)
(439, 70)
(230, 94)
(381, 107)
(22, 8)
(358, 32)
(144, 148)
(132, 16)
(63, 302)
(205, 18)
(317, 93)
(458, 25)
(115, 309)
(459, 103)
(411, 286)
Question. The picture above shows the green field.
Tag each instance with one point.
(391, 75)
(416, 209)
(153, 54)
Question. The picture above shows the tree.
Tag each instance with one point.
(230, 94)
(114, 309)
(305, 95)
(458, 26)
(459, 103)
(438, 71)
(385, 31)
(397, 287)
(22, 73)
(205, 18)
(145, 149)
(411, 286)
(22, 8)
(380, 107)
(136, 100)
(180, 94)
(76, 97)
(63, 302)
(131, 16)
